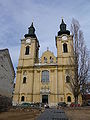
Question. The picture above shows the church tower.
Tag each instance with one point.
(64, 44)
(29, 49)
(25, 70)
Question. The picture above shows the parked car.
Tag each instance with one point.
(62, 104)
(73, 104)
(25, 104)
(32, 105)
(88, 103)
(37, 105)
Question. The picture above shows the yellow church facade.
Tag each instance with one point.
(46, 79)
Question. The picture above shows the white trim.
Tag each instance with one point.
(44, 64)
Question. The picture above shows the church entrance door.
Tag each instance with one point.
(45, 99)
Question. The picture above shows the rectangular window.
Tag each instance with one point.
(45, 76)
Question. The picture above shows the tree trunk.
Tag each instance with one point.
(76, 100)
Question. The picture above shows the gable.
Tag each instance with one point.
(48, 56)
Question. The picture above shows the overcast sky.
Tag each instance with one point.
(17, 15)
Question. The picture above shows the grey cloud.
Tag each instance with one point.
(17, 15)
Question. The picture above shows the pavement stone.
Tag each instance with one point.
(53, 114)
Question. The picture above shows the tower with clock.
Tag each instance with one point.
(29, 48)
(64, 44)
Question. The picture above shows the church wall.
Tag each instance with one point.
(17, 88)
(53, 80)
(60, 82)
(53, 86)
(60, 89)
(36, 86)
(18, 79)
(15, 99)
(29, 98)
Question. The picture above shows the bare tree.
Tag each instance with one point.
(81, 61)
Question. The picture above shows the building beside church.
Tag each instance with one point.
(46, 79)
(7, 75)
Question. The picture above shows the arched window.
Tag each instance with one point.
(45, 60)
(45, 76)
(67, 79)
(24, 79)
(68, 99)
(65, 48)
(22, 98)
(27, 50)
(51, 59)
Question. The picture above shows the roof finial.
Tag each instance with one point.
(47, 48)
(32, 20)
(32, 24)
(62, 20)
(62, 17)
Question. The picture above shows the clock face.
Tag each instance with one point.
(28, 40)
(64, 38)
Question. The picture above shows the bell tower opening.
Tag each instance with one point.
(45, 99)
(65, 49)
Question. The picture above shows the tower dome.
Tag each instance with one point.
(63, 29)
(31, 32)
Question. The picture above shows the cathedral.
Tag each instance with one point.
(45, 79)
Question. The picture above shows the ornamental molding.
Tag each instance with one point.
(19, 71)
(52, 70)
(31, 71)
(45, 90)
(38, 71)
